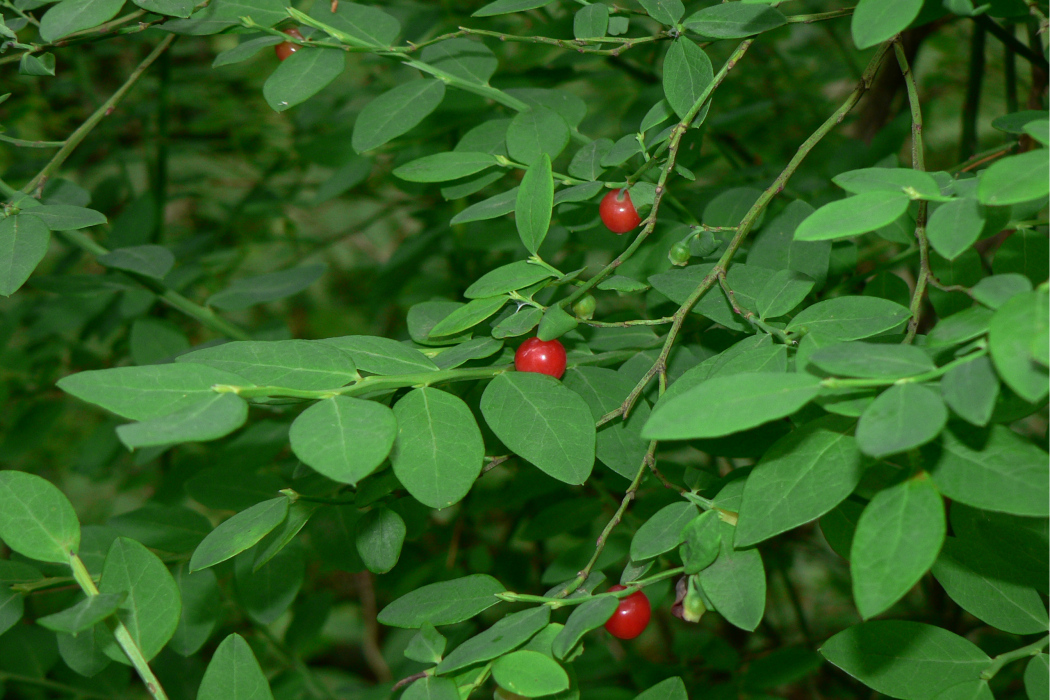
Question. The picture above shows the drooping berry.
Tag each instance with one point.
(287, 48)
(618, 212)
(543, 356)
(631, 617)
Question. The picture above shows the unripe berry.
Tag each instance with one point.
(679, 254)
(584, 308)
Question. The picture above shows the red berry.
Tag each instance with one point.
(631, 617)
(287, 48)
(618, 212)
(543, 356)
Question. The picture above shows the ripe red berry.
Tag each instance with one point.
(631, 617)
(618, 212)
(543, 356)
(287, 48)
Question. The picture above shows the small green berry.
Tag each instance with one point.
(584, 308)
(679, 254)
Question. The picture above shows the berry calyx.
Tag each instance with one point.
(585, 307)
(618, 212)
(543, 356)
(679, 254)
(631, 617)
(287, 48)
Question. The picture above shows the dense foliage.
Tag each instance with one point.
(265, 434)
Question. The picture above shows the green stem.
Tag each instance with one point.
(123, 636)
(84, 129)
(603, 538)
(744, 228)
(561, 602)
(661, 185)
(32, 144)
(67, 690)
(27, 17)
(918, 162)
(377, 382)
(1003, 659)
(837, 383)
(819, 16)
(204, 315)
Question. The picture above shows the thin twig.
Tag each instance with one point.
(370, 643)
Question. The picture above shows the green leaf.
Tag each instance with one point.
(473, 349)
(556, 323)
(876, 21)
(541, 420)
(234, 674)
(444, 603)
(142, 393)
(37, 64)
(84, 615)
(380, 534)
(441, 167)
(1012, 334)
(508, 278)
(222, 14)
(299, 514)
(301, 76)
(367, 25)
(736, 583)
(901, 418)
(584, 618)
(150, 611)
(591, 21)
(662, 532)
(1039, 130)
(803, 476)
(249, 291)
(734, 20)
(504, 7)
(503, 637)
(468, 316)
(853, 216)
(620, 445)
(427, 646)
(209, 419)
(996, 290)
(532, 209)
(70, 16)
(470, 60)
(887, 180)
(344, 438)
(955, 226)
(876, 360)
(267, 591)
(536, 132)
(971, 390)
(586, 163)
(728, 404)
(36, 519)
(1037, 677)
(701, 542)
(12, 607)
(905, 659)
(687, 73)
(959, 328)
(994, 470)
(294, 364)
(530, 674)
(782, 293)
(396, 112)
(24, 240)
(969, 690)
(664, 11)
(172, 8)
(382, 355)
(1015, 179)
(201, 610)
(432, 688)
(849, 318)
(491, 208)
(63, 217)
(670, 689)
(150, 260)
(239, 533)
(975, 584)
(897, 540)
(438, 452)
